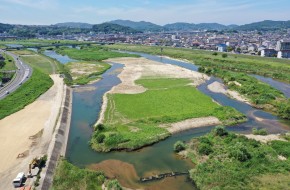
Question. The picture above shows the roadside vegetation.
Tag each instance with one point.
(68, 176)
(7, 69)
(224, 160)
(133, 120)
(234, 70)
(38, 83)
(37, 61)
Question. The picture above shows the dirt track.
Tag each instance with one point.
(28, 132)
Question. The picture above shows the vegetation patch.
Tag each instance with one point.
(26, 94)
(132, 120)
(68, 176)
(225, 160)
(84, 72)
(93, 53)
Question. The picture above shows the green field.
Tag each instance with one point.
(225, 160)
(93, 53)
(131, 121)
(26, 94)
(86, 71)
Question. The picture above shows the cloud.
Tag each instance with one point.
(36, 4)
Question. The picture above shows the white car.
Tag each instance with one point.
(17, 182)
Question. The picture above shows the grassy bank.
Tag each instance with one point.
(26, 94)
(260, 94)
(85, 72)
(270, 67)
(91, 53)
(225, 160)
(68, 176)
(8, 64)
(132, 120)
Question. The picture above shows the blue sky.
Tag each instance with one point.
(156, 11)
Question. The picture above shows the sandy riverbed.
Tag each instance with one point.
(136, 68)
(218, 87)
(18, 133)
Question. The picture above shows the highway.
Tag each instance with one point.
(23, 73)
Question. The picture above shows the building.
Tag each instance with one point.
(284, 54)
(268, 53)
(222, 47)
(281, 45)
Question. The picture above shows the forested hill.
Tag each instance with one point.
(265, 25)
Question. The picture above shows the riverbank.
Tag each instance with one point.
(27, 133)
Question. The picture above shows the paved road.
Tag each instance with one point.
(22, 75)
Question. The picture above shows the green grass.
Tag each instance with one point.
(26, 94)
(37, 61)
(86, 71)
(94, 53)
(9, 63)
(228, 161)
(132, 120)
(68, 176)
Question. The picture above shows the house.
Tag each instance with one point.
(284, 54)
(222, 47)
(268, 53)
(283, 45)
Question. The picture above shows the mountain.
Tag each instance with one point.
(265, 25)
(113, 28)
(182, 26)
(5, 27)
(74, 25)
(142, 25)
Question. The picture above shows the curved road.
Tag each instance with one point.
(23, 73)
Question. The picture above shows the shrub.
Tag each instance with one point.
(204, 149)
(114, 185)
(224, 55)
(179, 146)
(100, 127)
(100, 138)
(215, 54)
(256, 131)
(240, 152)
(220, 131)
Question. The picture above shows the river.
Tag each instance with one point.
(159, 158)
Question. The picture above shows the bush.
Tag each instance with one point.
(256, 131)
(100, 138)
(240, 152)
(114, 185)
(220, 131)
(215, 54)
(100, 127)
(204, 149)
(224, 55)
(179, 146)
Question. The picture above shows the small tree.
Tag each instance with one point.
(220, 131)
(179, 146)
(204, 149)
(224, 55)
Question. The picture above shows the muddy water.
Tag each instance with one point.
(127, 167)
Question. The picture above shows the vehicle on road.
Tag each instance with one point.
(17, 182)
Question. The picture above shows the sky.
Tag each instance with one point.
(45, 12)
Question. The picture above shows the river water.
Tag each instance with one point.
(64, 59)
(156, 159)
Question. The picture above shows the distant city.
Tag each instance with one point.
(266, 38)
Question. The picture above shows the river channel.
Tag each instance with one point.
(127, 167)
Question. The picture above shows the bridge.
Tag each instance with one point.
(59, 45)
